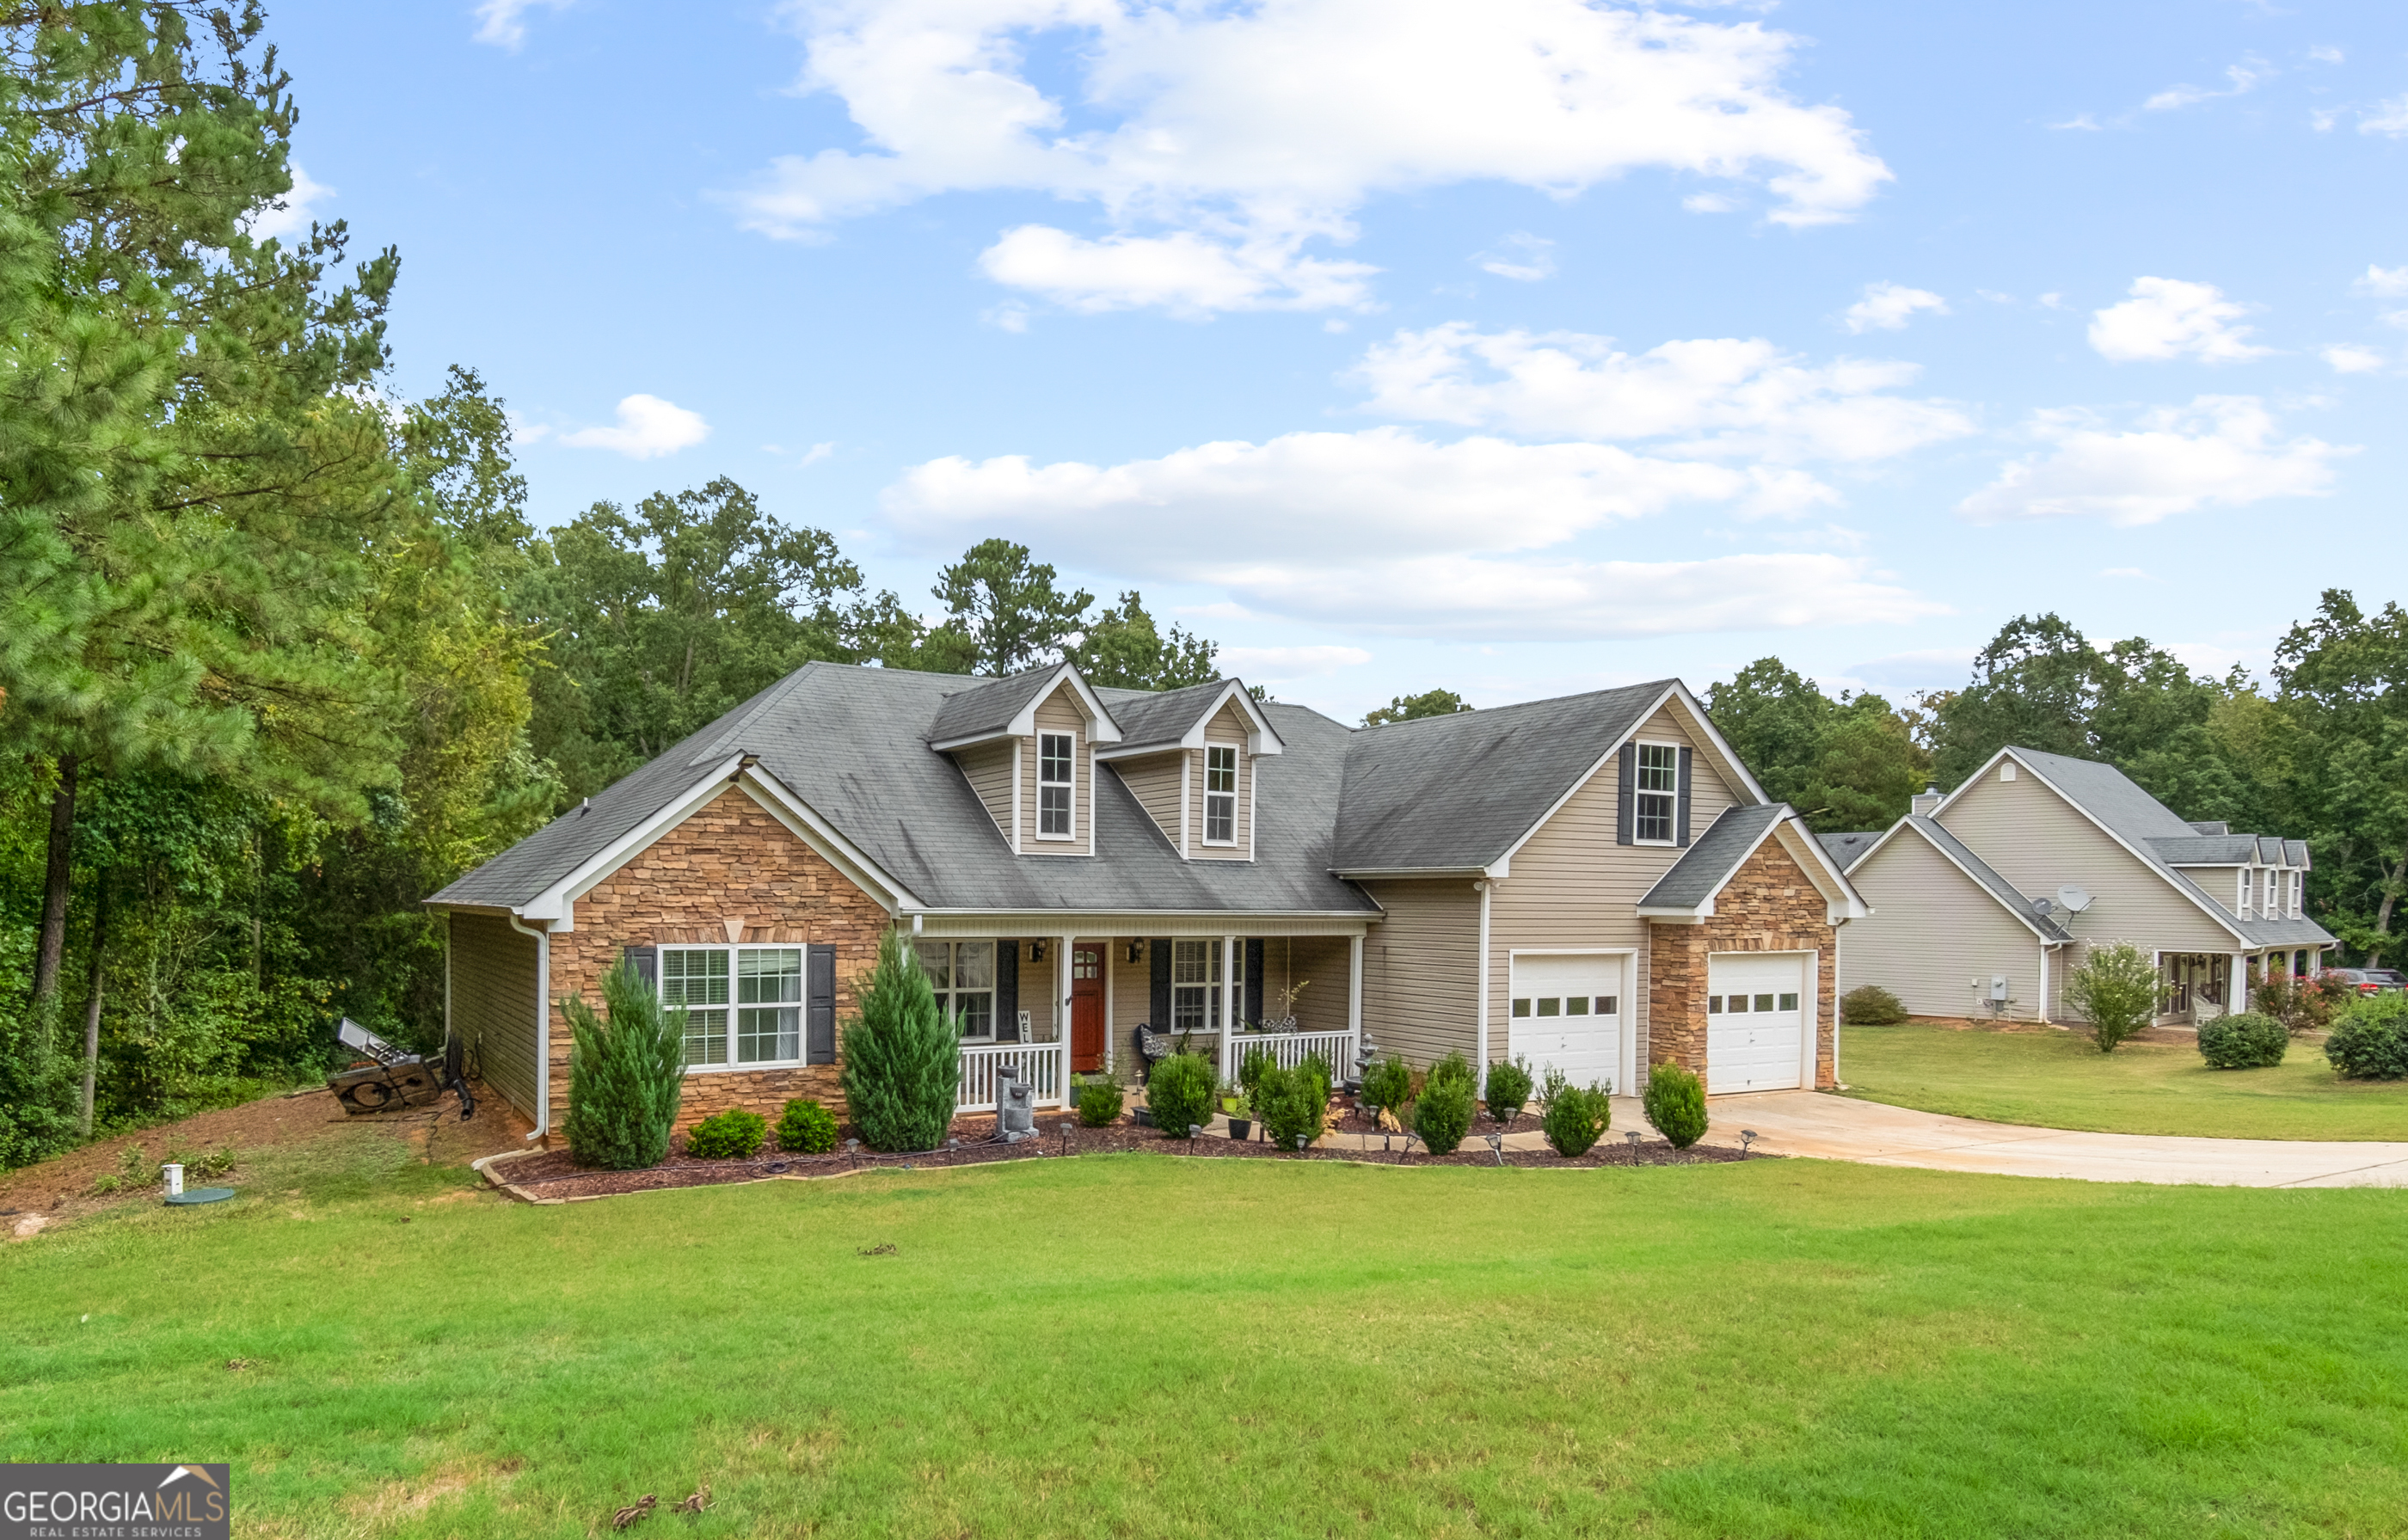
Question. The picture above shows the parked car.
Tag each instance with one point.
(2370, 980)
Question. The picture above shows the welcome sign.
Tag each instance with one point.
(116, 1503)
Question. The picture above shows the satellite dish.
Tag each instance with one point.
(2075, 899)
(2042, 906)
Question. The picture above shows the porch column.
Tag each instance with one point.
(1354, 1000)
(1231, 983)
(2236, 997)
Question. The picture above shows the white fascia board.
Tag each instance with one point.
(2174, 879)
(1100, 726)
(1407, 873)
(1808, 852)
(556, 905)
(1701, 722)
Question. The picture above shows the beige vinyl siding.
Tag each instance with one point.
(2039, 843)
(493, 1004)
(1421, 969)
(1058, 713)
(1039, 984)
(1320, 962)
(1571, 884)
(988, 769)
(1932, 929)
(2220, 883)
(1129, 1000)
(1226, 727)
(1153, 779)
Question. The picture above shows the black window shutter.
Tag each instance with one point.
(818, 1006)
(1683, 826)
(1622, 810)
(1254, 1009)
(1158, 954)
(647, 960)
(1006, 991)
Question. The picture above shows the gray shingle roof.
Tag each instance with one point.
(1714, 856)
(2295, 853)
(1453, 793)
(2016, 903)
(1844, 850)
(2211, 826)
(2206, 850)
(2140, 819)
(1163, 717)
(851, 743)
(988, 708)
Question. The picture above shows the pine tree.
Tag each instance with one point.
(901, 1056)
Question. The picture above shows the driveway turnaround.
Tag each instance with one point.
(1840, 1128)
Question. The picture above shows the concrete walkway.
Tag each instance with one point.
(1840, 1128)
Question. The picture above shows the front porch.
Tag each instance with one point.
(1056, 1007)
(2196, 987)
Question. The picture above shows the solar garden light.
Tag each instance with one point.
(1497, 1146)
(1632, 1135)
(1746, 1137)
(1065, 1127)
(1192, 1130)
(1299, 1142)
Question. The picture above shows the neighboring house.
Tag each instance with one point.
(1595, 882)
(1986, 898)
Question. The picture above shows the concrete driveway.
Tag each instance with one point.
(1840, 1128)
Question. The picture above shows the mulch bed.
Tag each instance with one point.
(554, 1175)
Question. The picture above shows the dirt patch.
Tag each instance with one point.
(554, 1174)
(62, 1188)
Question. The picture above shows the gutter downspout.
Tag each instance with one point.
(1482, 1015)
(542, 1027)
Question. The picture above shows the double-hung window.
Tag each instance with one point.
(1221, 794)
(1196, 985)
(1659, 792)
(963, 975)
(767, 1019)
(2299, 888)
(2247, 877)
(1056, 758)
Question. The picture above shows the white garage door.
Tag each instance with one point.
(1567, 1014)
(1754, 1023)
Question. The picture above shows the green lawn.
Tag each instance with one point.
(1139, 1345)
(2059, 1079)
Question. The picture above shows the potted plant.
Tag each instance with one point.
(1240, 1109)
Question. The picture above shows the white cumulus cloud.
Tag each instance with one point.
(2388, 118)
(2347, 358)
(1260, 128)
(1711, 396)
(2240, 81)
(2219, 451)
(293, 213)
(647, 428)
(1888, 307)
(2384, 283)
(503, 23)
(2167, 319)
(1524, 258)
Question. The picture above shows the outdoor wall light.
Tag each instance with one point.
(1137, 951)
(1037, 952)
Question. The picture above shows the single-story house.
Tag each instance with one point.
(1595, 882)
(1986, 899)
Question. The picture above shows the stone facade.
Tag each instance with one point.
(730, 872)
(1769, 905)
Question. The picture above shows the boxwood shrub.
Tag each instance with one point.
(2248, 1041)
(1455, 1066)
(1871, 1006)
(807, 1129)
(2370, 1041)
(734, 1134)
(1293, 1104)
(1442, 1112)
(1676, 1104)
(1388, 1085)
(1181, 1094)
(1100, 1103)
(1509, 1091)
(1576, 1120)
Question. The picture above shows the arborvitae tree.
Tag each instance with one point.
(626, 1075)
(902, 1061)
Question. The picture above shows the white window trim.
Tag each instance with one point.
(802, 1003)
(1072, 837)
(1238, 773)
(1214, 990)
(1638, 791)
(2246, 881)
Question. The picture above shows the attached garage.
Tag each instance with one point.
(1756, 1020)
(1568, 1013)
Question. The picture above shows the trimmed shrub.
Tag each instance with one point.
(1099, 1103)
(1294, 1104)
(1250, 1069)
(2243, 1042)
(1577, 1120)
(2116, 990)
(1388, 1085)
(1455, 1066)
(1676, 1104)
(2370, 1041)
(902, 1057)
(1509, 1089)
(1871, 1006)
(2305, 1004)
(1181, 1094)
(626, 1074)
(1442, 1112)
(734, 1134)
(807, 1129)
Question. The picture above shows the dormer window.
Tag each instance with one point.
(1056, 767)
(1221, 794)
(1659, 787)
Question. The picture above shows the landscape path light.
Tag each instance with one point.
(1747, 1136)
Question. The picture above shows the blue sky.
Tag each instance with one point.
(1515, 345)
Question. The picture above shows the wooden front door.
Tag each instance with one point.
(1087, 1008)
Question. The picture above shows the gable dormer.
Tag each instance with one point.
(1189, 756)
(1026, 745)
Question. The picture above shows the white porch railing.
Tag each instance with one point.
(1289, 1049)
(1045, 1066)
